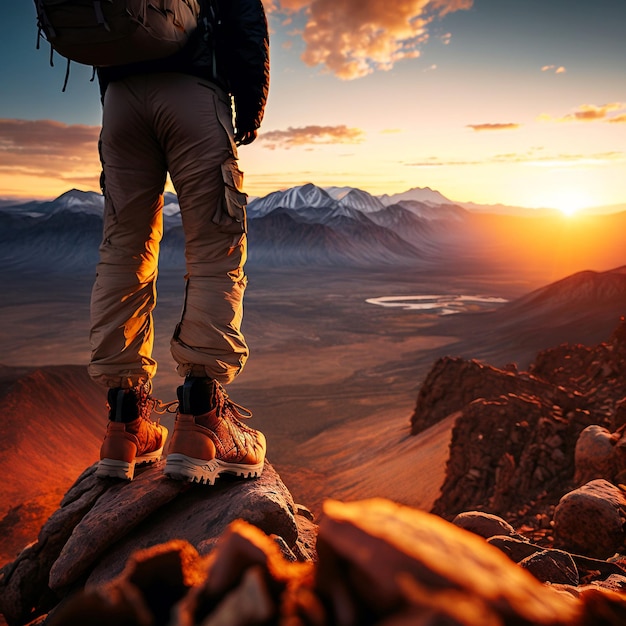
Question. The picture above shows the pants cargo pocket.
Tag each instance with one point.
(230, 215)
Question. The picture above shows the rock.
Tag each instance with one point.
(499, 458)
(101, 523)
(595, 455)
(602, 606)
(377, 557)
(152, 581)
(590, 520)
(198, 515)
(245, 580)
(453, 383)
(516, 549)
(588, 569)
(552, 566)
(484, 524)
(24, 582)
(122, 507)
(614, 582)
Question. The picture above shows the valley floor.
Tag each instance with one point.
(332, 380)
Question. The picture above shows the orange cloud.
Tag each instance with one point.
(307, 135)
(589, 113)
(353, 38)
(481, 127)
(557, 70)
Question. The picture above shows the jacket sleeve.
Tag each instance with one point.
(243, 53)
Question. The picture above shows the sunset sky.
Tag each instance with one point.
(520, 102)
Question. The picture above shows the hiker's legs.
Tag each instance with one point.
(124, 293)
(195, 129)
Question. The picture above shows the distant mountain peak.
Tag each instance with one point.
(76, 201)
(300, 197)
(420, 194)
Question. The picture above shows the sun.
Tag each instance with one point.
(569, 202)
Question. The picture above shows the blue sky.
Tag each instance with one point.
(514, 101)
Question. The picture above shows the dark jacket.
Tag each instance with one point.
(235, 55)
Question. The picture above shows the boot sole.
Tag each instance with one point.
(183, 467)
(114, 468)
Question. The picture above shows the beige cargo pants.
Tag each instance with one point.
(154, 124)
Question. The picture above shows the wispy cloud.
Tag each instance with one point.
(311, 135)
(589, 113)
(532, 158)
(46, 149)
(353, 38)
(492, 126)
(46, 137)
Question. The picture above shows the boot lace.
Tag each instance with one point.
(222, 403)
(146, 404)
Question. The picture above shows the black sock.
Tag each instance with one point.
(195, 396)
(122, 405)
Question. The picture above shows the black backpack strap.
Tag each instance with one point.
(43, 23)
(67, 76)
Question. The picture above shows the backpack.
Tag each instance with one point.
(103, 33)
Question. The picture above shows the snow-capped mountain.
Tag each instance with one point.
(76, 201)
(311, 225)
(315, 203)
(307, 196)
(72, 201)
(310, 197)
(301, 225)
(355, 198)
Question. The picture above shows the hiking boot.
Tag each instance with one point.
(132, 438)
(209, 439)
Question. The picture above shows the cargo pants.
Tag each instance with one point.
(154, 124)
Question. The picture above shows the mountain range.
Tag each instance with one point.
(310, 225)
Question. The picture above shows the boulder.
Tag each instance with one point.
(377, 558)
(595, 455)
(552, 566)
(590, 520)
(484, 525)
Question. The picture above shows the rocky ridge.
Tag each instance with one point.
(514, 441)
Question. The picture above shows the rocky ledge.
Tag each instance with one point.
(101, 523)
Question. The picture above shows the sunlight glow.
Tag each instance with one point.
(568, 201)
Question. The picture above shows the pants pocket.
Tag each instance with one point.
(231, 213)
